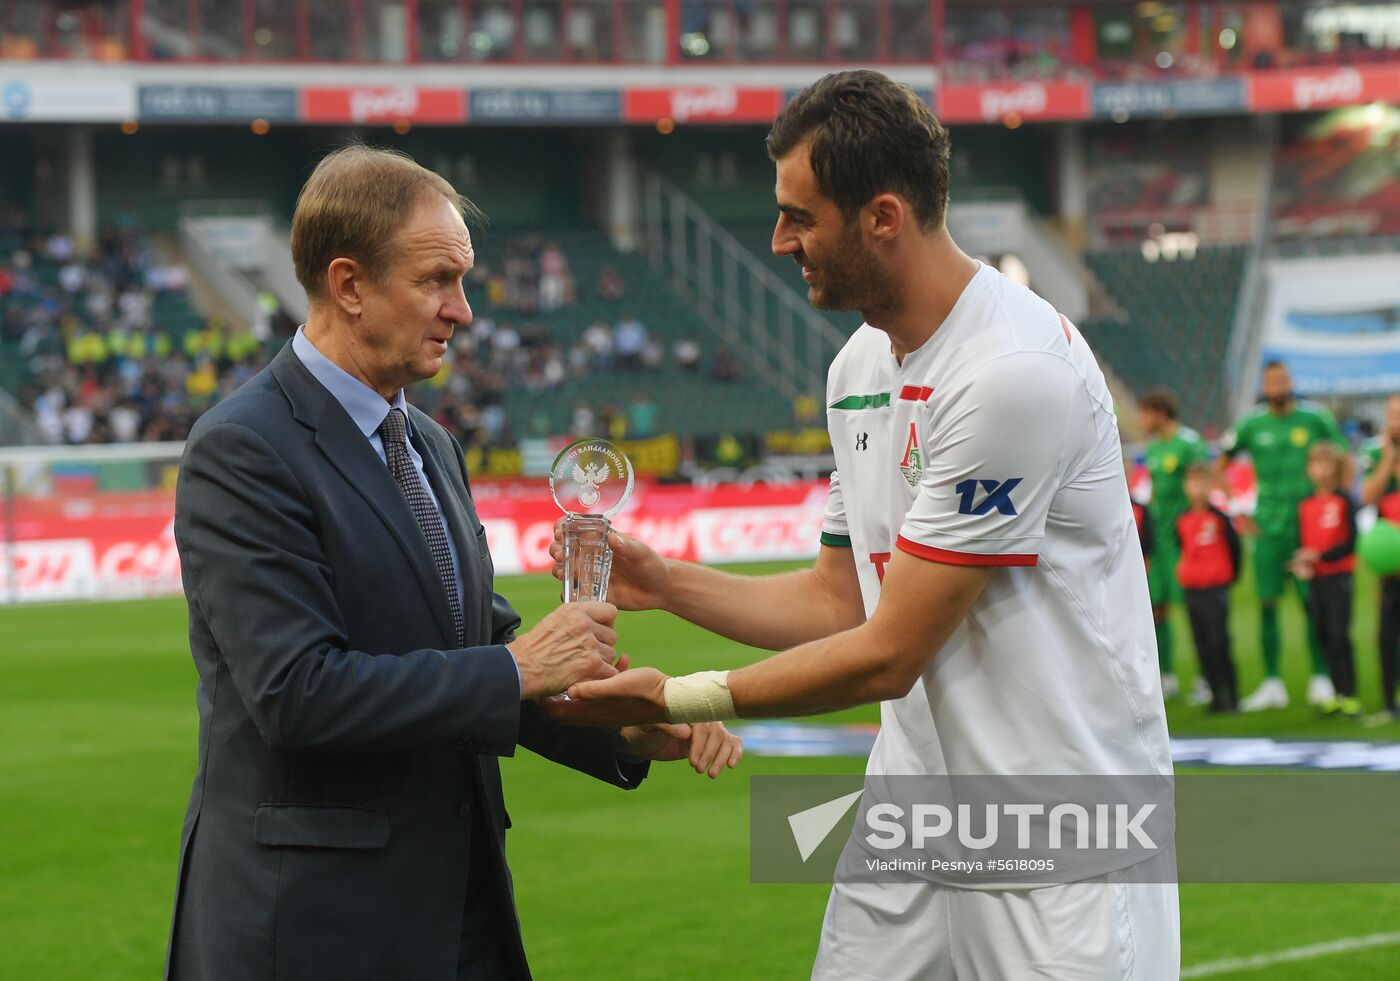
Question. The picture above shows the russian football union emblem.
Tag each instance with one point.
(589, 479)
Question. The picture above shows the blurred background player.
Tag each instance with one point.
(1380, 457)
(1277, 437)
(1171, 449)
(1325, 560)
(1141, 520)
(1209, 563)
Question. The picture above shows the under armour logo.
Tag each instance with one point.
(998, 496)
(861, 440)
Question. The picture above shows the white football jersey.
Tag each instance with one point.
(995, 444)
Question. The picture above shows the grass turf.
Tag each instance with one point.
(97, 724)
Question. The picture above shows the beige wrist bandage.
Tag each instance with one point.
(700, 697)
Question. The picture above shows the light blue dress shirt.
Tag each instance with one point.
(367, 410)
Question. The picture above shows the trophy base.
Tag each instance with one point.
(587, 558)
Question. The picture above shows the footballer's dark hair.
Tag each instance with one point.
(1161, 400)
(868, 135)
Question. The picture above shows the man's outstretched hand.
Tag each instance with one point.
(573, 642)
(639, 578)
(709, 746)
(634, 697)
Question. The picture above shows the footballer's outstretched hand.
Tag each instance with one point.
(640, 578)
(634, 697)
(709, 746)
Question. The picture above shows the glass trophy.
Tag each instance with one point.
(591, 481)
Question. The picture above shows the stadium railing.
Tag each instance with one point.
(236, 290)
(17, 426)
(1241, 368)
(253, 237)
(1346, 245)
(1218, 223)
(737, 295)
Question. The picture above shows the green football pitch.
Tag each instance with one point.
(97, 750)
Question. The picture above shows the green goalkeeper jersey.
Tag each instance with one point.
(1371, 459)
(1167, 460)
(1278, 447)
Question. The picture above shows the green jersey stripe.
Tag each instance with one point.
(862, 402)
(836, 541)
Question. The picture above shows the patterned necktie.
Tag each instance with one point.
(394, 432)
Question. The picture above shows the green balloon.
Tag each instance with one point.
(1379, 548)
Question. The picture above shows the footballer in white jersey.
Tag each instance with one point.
(979, 575)
(995, 444)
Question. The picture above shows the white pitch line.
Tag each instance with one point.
(1232, 964)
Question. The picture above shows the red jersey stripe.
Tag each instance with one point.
(948, 557)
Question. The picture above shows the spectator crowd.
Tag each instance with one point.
(83, 339)
(92, 353)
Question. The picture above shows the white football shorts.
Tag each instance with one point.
(1101, 929)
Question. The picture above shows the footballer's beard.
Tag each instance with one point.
(850, 279)
(1280, 402)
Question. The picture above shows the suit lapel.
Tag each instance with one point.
(350, 453)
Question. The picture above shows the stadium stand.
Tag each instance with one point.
(1339, 176)
(1334, 183)
(521, 349)
(1179, 314)
(979, 41)
(112, 349)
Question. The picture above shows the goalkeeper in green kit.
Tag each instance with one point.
(1171, 449)
(1277, 436)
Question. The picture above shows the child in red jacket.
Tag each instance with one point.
(1325, 559)
(1209, 563)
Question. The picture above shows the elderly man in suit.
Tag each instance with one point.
(358, 675)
